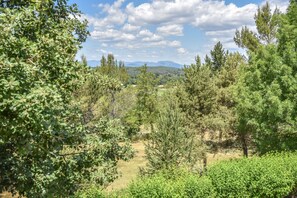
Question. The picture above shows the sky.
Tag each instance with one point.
(165, 30)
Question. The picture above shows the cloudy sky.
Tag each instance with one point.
(158, 30)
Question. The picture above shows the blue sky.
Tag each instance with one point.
(158, 30)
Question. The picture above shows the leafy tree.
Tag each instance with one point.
(171, 144)
(146, 104)
(267, 91)
(267, 24)
(45, 149)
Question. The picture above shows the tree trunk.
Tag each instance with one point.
(113, 104)
(244, 145)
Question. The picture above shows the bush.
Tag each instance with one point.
(273, 175)
(155, 186)
(199, 187)
(176, 183)
(92, 192)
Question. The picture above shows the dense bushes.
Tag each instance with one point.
(273, 175)
(178, 183)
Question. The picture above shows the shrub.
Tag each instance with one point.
(199, 187)
(273, 175)
(176, 183)
(92, 192)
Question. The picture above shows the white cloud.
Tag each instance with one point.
(204, 14)
(114, 16)
(145, 33)
(171, 30)
(112, 35)
(103, 51)
(174, 43)
(130, 28)
(181, 50)
(220, 16)
(156, 23)
(153, 38)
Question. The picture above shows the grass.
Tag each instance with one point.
(129, 169)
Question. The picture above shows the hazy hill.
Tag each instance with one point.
(94, 63)
(163, 73)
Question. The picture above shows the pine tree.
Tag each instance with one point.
(171, 144)
(112, 68)
(146, 104)
(218, 57)
(198, 97)
(103, 62)
(267, 24)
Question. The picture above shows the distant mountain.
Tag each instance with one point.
(94, 63)
(154, 64)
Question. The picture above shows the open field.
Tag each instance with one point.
(130, 169)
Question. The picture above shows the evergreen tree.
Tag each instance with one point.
(225, 118)
(103, 62)
(171, 144)
(111, 68)
(198, 96)
(266, 23)
(146, 104)
(218, 57)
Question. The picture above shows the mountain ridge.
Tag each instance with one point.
(94, 63)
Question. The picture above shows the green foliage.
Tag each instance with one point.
(267, 24)
(90, 192)
(218, 57)
(171, 144)
(273, 175)
(174, 183)
(246, 38)
(199, 187)
(97, 96)
(269, 176)
(146, 97)
(45, 148)
(197, 96)
(266, 101)
(164, 74)
(266, 91)
(110, 67)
